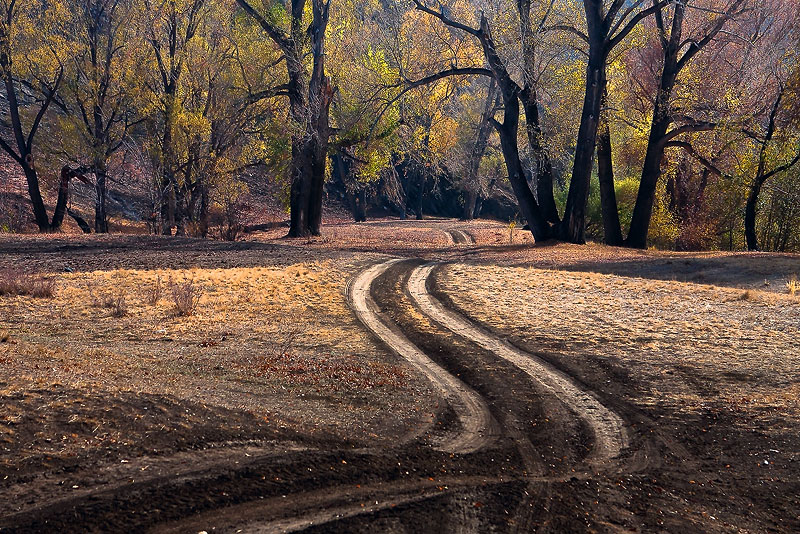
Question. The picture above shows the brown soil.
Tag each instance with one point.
(271, 409)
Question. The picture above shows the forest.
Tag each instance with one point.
(636, 123)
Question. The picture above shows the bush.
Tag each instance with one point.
(186, 296)
(15, 282)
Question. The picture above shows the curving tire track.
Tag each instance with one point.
(460, 237)
(475, 421)
(609, 430)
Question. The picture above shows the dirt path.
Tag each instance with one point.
(518, 444)
(608, 428)
(476, 428)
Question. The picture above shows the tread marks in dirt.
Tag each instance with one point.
(511, 481)
(474, 421)
(610, 435)
(460, 237)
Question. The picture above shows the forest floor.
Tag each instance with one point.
(396, 376)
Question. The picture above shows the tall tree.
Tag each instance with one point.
(170, 27)
(667, 125)
(310, 95)
(769, 141)
(30, 58)
(606, 28)
(99, 88)
(539, 219)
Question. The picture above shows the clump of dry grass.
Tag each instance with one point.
(16, 282)
(153, 293)
(186, 296)
(119, 305)
(793, 285)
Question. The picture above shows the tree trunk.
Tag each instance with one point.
(472, 180)
(39, 210)
(573, 226)
(543, 166)
(651, 171)
(612, 229)
(516, 174)
(508, 131)
(101, 194)
(750, 213)
(470, 202)
(300, 189)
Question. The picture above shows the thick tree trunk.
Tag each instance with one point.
(573, 226)
(543, 166)
(39, 210)
(470, 202)
(61, 202)
(516, 174)
(508, 131)
(750, 213)
(651, 171)
(300, 189)
(612, 229)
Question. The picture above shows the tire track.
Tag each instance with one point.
(325, 506)
(607, 426)
(460, 237)
(475, 421)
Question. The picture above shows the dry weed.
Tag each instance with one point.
(186, 296)
(793, 285)
(119, 305)
(153, 293)
(16, 282)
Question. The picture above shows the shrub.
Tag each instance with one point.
(185, 295)
(119, 305)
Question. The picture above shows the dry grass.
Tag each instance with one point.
(793, 286)
(15, 282)
(277, 341)
(185, 296)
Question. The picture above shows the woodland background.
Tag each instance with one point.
(673, 124)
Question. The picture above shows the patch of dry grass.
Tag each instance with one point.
(235, 351)
(15, 282)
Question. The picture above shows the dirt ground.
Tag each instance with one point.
(271, 408)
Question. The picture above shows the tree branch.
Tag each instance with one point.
(449, 22)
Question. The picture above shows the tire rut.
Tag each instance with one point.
(460, 237)
(476, 427)
(608, 427)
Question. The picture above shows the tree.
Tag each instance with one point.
(31, 58)
(539, 213)
(605, 29)
(310, 95)
(771, 143)
(99, 90)
(675, 57)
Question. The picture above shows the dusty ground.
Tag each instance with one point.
(698, 353)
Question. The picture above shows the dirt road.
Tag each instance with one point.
(518, 444)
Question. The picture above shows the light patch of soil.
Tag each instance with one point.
(687, 346)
